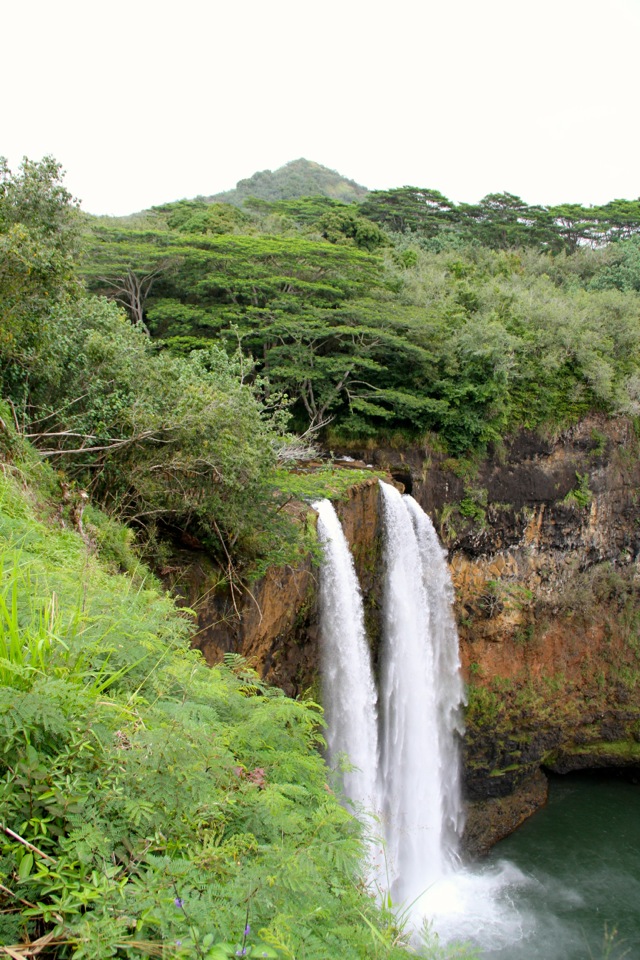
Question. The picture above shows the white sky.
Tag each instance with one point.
(144, 101)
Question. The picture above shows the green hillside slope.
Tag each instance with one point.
(149, 805)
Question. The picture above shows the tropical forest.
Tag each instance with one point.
(183, 390)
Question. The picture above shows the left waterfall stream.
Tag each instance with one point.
(349, 691)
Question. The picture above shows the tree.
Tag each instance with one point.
(126, 265)
(155, 437)
(39, 249)
(132, 288)
(410, 209)
(342, 226)
(503, 221)
(621, 271)
(572, 221)
(199, 216)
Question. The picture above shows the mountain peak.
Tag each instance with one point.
(298, 178)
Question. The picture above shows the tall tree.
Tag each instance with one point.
(503, 220)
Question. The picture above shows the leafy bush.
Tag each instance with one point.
(157, 437)
(39, 246)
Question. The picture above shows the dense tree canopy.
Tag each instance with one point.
(39, 244)
(465, 321)
(405, 313)
(155, 436)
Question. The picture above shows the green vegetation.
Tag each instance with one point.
(581, 495)
(624, 751)
(164, 441)
(299, 178)
(173, 368)
(39, 245)
(317, 483)
(504, 221)
(151, 805)
(374, 325)
(483, 706)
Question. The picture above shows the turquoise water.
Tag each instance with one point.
(579, 894)
(564, 886)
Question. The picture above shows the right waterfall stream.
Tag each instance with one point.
(404, 741)
(420, 692)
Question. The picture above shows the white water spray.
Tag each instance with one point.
(413, 781)
(349, 693)
(447, 675)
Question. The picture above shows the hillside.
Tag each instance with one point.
(298, 178)
(151, 806)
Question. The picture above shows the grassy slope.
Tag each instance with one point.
(168, 805)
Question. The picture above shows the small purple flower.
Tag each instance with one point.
(247, 930)
(179, 902)
(241, 953)
(178, 943)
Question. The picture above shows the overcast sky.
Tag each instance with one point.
(144, 101)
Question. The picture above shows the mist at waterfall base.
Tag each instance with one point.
(402, 742)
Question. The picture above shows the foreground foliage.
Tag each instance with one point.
(150, 805)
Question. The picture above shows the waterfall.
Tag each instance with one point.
(447, 675)
(349, 693)
(412, 776)
(405, 763)
(420, 698)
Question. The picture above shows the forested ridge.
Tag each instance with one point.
(160, 375)
(402, 313)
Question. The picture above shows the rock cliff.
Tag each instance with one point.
(274, 622)
(543, 538)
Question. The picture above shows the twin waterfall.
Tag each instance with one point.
(396, 742)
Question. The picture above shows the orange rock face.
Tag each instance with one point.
(274, 623)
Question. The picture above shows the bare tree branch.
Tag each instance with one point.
(112, 445)
(132, 289)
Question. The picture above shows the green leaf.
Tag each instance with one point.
(26, 866)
